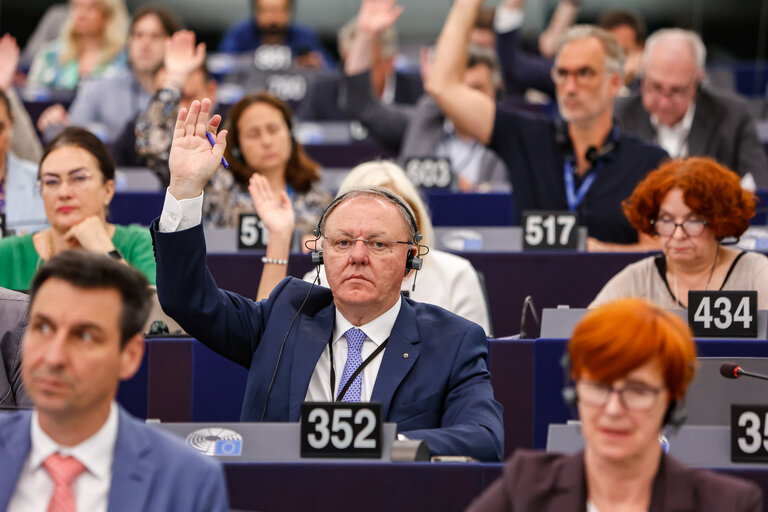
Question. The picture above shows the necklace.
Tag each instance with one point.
(709, 279)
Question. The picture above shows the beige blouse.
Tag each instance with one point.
(644, 280)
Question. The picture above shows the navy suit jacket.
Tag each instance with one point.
(152, 471)
(433, 379)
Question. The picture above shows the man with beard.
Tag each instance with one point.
(582, 163)
(271, 24)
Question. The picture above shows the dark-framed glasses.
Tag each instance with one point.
(691, 227)
(582, 76)
(635, 397)
(343, 245)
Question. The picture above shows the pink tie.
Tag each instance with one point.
(63, 471)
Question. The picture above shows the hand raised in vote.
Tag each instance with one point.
(182, 58)
(9, 60)
(275, 212)
(192, 159)
(376, 16)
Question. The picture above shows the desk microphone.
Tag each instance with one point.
(734, 371)
(528, 304)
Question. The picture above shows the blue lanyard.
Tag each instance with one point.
(573, 196)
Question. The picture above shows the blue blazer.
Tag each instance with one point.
(433, 379)
(152, 471)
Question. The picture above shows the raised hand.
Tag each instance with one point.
(192, 160)
(55, 115)
(9, 60)
(376, 16)
(275, 212)
(182, 58)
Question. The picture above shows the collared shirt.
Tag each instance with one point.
(376, 331)
(466, 156)
(91, 489)
(674, 139)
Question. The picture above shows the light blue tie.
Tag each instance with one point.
(355, 338)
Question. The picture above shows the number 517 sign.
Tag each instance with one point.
(723, 314)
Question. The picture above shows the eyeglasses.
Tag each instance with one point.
(675, 92)
(633, 397)
(691, 227)
(582, 76)
(376, 246)
(76, 180)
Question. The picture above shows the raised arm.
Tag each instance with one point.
(375, 17)
(471, 111)
(279, 219)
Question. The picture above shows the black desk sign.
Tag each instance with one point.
(749, 433)
(549, 229)
(287, 87)
(251, 232)
(272, 57)
(723, 314)
(430, 172)
(341, 429)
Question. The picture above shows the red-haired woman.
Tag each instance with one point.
(625, 392)
(692, 205)
(260, 140)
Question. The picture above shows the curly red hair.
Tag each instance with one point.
(709, 189)
(614, 339)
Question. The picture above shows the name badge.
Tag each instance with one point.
(251, 232)
(287, 87)
(430, 172)
(723, 314)
(341, 429)
(272, 57)
(549, 229)
(748, 433)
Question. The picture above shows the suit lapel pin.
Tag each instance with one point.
(405, 355)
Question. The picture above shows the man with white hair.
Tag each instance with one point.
(583, 163)
(687, 118)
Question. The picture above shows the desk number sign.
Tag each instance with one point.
(341, 429)
(749, 433)
(549, 229)
(430, 172)
(723, 314)
(251, 232)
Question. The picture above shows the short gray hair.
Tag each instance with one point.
(614, 55)
(386, 41)
(402, 206)
(698, 50)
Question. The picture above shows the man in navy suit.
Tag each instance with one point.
(426, 366)
(78, 450)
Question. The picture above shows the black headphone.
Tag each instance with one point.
(593, 154)
(413, 260)
(674, 416)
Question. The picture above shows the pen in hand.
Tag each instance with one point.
(213, 143)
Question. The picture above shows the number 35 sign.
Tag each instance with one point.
(723, 314)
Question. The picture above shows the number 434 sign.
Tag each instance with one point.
(723, 314)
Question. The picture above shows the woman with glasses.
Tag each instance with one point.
(77, 183)
(625, 392)
(693, 205)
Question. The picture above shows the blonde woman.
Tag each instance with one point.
(445, 279)
(91, 45)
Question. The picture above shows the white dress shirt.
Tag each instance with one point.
(674, 139)
(178, 215)
(34, 488)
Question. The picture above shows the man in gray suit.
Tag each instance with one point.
(422, 130)
(13, 321)
(685, 117)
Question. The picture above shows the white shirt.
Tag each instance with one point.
(466, 156)
(34, 488)
(376, 331)
(187, 213)
(674, 139)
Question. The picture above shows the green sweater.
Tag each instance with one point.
(19, 261)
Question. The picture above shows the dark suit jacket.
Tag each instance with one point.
(440, 392)
(550, 482)
(322, 100)
(410, 132)
(152, 471)
(722, 128)
(14, 316)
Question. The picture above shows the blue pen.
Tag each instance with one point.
(213, 143)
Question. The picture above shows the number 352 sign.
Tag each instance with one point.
(341, 429)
